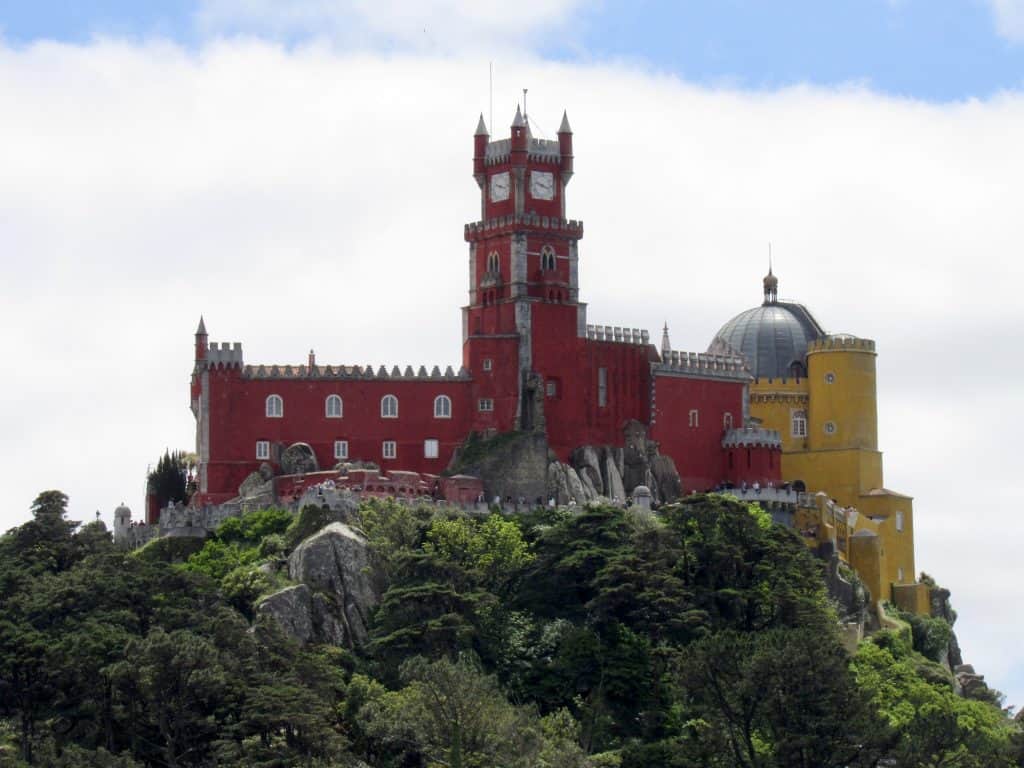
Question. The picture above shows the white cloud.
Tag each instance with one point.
(307, 198)
(435, 26)
(1009, 19)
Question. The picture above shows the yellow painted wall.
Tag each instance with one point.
(773, 402)
(843, 399)
(867, 557)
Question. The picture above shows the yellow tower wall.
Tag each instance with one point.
(773, 401)
(843, 395)
(867, 558)
(894, 514)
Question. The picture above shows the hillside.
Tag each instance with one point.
(701, 635)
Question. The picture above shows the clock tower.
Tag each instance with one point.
(523, 271)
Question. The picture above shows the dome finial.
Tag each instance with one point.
(771, 282)
(666, 345)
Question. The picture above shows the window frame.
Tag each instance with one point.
(695, 418)
(446, 409)
(798, 422)
(263, 450)
(485, 405)
(327, 407)
(389, 449)
(388, 399)
(273, 406)
(431, 443)
(341, 449)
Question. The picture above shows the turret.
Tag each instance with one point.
(201, 340)
(480, 139)
(771, 287)
(520, 139)
(122, 522)
(666, 345)
(565, 147)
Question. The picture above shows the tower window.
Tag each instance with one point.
(694, 417)
(488, 363)
(275, 407)
(726, 420)
(389, 407)
(333, 407)
(341, 449)
(547, 258)
(485, 404)
(493, 262)
(551, 388)
(798, 423)
(602, 387)
(263, 449)
(899, 574)
(388, 449)
(430, 449)
(830, 378)
(830, 427)
(442, 407)
(899, 522)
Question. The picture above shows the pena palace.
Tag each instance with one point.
(774, 403)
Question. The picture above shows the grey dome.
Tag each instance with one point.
(771, 337)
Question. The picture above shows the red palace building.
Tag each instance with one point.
(530, 361)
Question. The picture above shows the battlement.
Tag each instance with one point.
(702, 363)
(752, 437)
(839, 342)
(614, 333)
(477, 230)
(353, 372)
(225, 353)
(540, 150)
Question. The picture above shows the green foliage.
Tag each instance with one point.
(168, 481)
(251, 528)
(308, 521)
(931, 635)
(170, 549)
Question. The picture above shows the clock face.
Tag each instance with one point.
(542, 185)
(499, 187)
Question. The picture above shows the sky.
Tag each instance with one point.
(300, 174)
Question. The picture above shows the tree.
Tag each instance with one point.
(169, 481)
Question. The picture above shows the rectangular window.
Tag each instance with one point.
(389, 450)
(551, 387)
(488, 364)
(694, 418)
(430, 449)
(263, 449)
(799, 423)
(485, 404)
(899, 522)
(341, 449)
(602, 387)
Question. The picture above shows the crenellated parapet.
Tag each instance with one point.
(479, 230)
(700, 363)
(618, 335)
(354, 372)
(537, 150)
(752, 437)
(225, 354)
(840, 342)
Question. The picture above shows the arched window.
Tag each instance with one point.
(899, 522)
(798, 420)
(333, 407)
(547, 258)
(442, 407)
(389, 407)
(493, 262)
(275, 407)
(727, 420)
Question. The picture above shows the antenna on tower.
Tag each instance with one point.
(490, 83)
(769, 257)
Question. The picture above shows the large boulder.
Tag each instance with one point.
(299, 459)
(345, 578)
(292, 608)
(587, 462)
(509, 463)
(257, 490)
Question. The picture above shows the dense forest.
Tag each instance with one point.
(699, 635)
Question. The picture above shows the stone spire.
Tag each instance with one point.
(518, 121)
(564, 127)
(666, 345)
(481, 127)
(201, 330)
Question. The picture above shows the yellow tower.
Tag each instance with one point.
(820, 392)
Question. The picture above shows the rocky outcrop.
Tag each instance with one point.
(298, 459)
(257, 490)
(292, 608)
(564, 485)
(510, 464)
(345, 582)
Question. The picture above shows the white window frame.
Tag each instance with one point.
(431, 448)
(331, 399)
(551, 388)
(899, 521)
(488, 364)
(727, 420)
(547, 258)
(274, 407)
(442, 407)
(263, 450)
(798, 422)
(389, 449)
(485, 405)
(341, 449)
(386, 412)
(694, 418)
